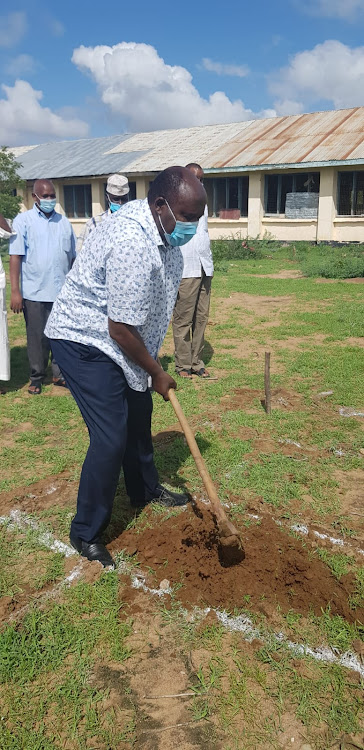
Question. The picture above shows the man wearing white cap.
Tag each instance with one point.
(117, 189)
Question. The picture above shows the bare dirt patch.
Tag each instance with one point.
(58, 490)
(243, 398)
(10, 432)
(285, 273)
(253, 303)
(351, 492)
(355, 280)
(278, 568)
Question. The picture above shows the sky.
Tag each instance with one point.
(77, 70)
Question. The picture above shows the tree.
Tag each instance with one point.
(9, 182)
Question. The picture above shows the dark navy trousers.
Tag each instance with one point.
(119, 424)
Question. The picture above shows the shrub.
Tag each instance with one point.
(235, 247)
(333, 262)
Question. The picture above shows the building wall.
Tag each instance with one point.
(327, 227)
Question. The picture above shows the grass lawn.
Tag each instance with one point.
(93, 660)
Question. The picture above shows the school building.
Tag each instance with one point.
(294, 178)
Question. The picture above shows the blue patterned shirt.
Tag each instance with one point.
(123, 272)
(46, 245)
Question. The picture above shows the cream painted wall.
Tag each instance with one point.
(289, 230)
(327, 207)
(349, 229)
(226, 228)
(255, 204)
(327, 227)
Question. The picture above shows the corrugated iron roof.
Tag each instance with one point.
(312, 139)
(90, 156)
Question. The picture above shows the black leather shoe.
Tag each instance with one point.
(94, 551)
(164, 497)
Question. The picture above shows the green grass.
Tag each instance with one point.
(340, 262)
(56, 646)
(51, 695)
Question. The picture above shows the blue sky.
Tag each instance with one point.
(116, 67)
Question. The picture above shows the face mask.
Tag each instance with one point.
(114, 206)
(182, 233)
(47, 205)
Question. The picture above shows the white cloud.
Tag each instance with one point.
(12, 28)
(288, 107)
(345, 9)
(57, 27)
(329, 72)
(23, 120)
(223, 69)
(148, 94)
(21, 65)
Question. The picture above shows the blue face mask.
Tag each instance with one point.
(182, 233)
(47, 205)
(114, 206)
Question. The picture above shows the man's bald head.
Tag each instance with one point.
(176, 194)
(171, 182)
(42, 186)
(196, 169)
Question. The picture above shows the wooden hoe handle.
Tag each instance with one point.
(195, 451)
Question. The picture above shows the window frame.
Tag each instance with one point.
(75, 215)
(353, 199)
(214, 192)
(280, 176)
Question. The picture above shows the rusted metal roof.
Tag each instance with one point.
(316, 139)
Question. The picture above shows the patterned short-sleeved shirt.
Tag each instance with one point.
(126, 273)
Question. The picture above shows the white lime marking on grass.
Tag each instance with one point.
(290, 442)
(301, 528)
(50, 490)
(20, 520)
(244, 625)
(139, 582)
(348, 411)
(73, 575)
(51, 593)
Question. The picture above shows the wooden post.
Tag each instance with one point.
(267, 383)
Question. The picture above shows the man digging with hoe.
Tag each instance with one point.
(106, 328)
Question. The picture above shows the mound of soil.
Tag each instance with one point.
(278, 568)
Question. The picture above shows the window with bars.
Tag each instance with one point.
(77, 201)
(350, 200)
(278, 185)
(227, 193)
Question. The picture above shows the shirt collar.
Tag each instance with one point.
(42, 215)
(142, 213)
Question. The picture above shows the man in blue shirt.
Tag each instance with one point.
(106, 328)
(41, 254)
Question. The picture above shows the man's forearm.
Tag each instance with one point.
(131, 343)
(14, 272)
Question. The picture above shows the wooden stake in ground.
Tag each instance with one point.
(268, 407)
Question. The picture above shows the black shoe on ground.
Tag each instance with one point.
(94, 551)
(163, 497)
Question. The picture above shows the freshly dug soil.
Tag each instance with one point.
(278, 568)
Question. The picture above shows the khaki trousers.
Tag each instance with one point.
(189, 322)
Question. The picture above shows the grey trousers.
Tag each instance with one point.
(189, 321)
(36, 315)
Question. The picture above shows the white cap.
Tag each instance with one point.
(117, 184)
